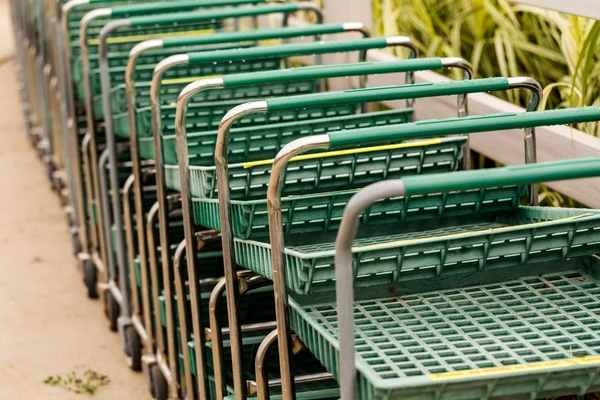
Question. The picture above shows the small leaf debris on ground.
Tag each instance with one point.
(87, 382)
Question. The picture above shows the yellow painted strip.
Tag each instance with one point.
(141, 38)
(347, 152)
(176, 81)
(509, 369)
(471, 233)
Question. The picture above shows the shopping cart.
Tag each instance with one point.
(533, 332)
(139, 97)
(248, 210)
(475, 236)
(73, 13)
(209, 57)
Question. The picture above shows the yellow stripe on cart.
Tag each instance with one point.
(348, 152)
(509, 369)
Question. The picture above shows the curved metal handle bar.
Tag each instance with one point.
(149, 225)
(93, 156)
(217, 337)
(136, 164)
(178, 284)
(572, 169)
(70, 130)
(260, 364)
(344, 277)
(261, 388)
(110, 139)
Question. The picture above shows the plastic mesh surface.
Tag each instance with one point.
(518, 322)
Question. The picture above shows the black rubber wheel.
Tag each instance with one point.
(76, 246)
(160, 390)
(90, 278)
(50, 172)
(133, 348)
(113, 311)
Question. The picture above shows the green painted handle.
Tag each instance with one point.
(102, 1)
(259, 34)
(287, 50)
(513, 175)
(388, 93)
(333, 71)
(456, 126)
(209, 15)
(174, 6)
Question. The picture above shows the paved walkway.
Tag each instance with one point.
(47, 325)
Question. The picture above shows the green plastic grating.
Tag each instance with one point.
(260, 142)
(203, 118)
(483, 342)
(338, 178)
(434, 247)
(118, 102)
(334, 172)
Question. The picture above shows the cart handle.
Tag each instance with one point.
(286, 50)
(290, 75)
(261, 34)
(222, 13)
(473, 124)
(419, 185)
(337, 70)
(387, 93)
(173, 6)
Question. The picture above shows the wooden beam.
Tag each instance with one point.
(583, 8)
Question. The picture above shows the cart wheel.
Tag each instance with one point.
(133, 348)
(113, 311)
(90, 278)
(76, 246)
(159, 389)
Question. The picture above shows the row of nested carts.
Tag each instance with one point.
(253, 233)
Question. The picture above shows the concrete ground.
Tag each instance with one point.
(47, 325)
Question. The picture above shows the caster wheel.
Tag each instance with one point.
(160, 391)
(76, 247)
(133, 348)
(90, 278)
(113, 311)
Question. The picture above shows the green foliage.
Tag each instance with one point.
(88, 382)
(501, 38)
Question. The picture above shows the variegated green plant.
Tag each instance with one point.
(502, 38)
